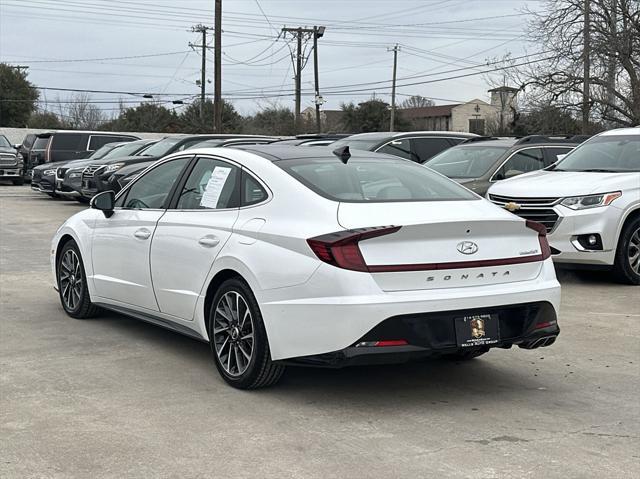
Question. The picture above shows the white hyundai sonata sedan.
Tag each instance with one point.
(282, 255)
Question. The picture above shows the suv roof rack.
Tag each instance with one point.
(552, 139)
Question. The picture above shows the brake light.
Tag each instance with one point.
(341, 249)
(545, 249)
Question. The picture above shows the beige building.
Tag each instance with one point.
(474, 116)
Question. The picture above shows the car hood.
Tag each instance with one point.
(562, 183)
(4, 149)
(48, 166)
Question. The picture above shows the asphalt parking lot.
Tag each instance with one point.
(115, 397)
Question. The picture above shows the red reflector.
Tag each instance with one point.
(544, 325)
(392, 342)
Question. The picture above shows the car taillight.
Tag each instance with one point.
(545, 249)
(341, 249)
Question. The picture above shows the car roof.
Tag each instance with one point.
(621, 131)
(275, 152)
(381, 135)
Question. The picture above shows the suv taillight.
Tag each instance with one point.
(545, 250)
(341, 248)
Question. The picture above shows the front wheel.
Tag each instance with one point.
(72, 283)
(238, 338)
(18, 181)
(627, 265)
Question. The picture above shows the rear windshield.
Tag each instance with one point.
(376, 180)
(41, 143)
(466, 161)
(358, 143)
(606, 154)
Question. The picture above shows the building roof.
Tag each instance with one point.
(504, 88)
(427, 111)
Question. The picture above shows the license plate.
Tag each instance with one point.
(477, 330)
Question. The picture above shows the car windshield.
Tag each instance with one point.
(375, 180)
(358, 143)
(128, 149)
(4, 143)
(466, 161)
(163, 147)
(205, 144)
(102, 151)
(604, 154)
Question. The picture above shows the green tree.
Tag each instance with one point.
(371, 115)
(192, 123)
(274, 120)
(149, 117)
(18, 97)
(44, 120)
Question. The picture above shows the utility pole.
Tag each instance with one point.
(217, 57)
(587, 60)
(611, 67)
(203, 69)
(395, 50)
(298, 33)
(318, 32)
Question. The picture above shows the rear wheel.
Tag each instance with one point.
(627, 264)
(72, 283)
(238, 339)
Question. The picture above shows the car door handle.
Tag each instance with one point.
(209, 241)
(142, 233)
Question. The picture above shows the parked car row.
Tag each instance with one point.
(518, 174)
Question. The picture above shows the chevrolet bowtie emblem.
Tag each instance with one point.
(511, 206)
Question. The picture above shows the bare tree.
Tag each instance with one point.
(81, 114)
(614, 57)
(416, 101)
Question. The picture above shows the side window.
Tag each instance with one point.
(67, 141)
(212, 184)
(28, 141)
(524, 161)
(401, 148)
(152, 190)
(553, 153)
(252, 191)
(425, 148)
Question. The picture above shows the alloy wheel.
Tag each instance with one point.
(633, 251)
(71, 280)
(233, 333)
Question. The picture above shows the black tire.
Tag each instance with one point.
(18, 181)
(53, 195)
(72, 283)
(257, 370)
(82, 199)
(626, 268)
(467, 354)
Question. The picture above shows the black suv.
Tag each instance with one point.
(74, 145)
(479, 162)
(32, 151)
(95, 177)
(418, 146)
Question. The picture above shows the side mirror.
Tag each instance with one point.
(17, 146)
(104, 202)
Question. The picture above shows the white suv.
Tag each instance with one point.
(589, 201)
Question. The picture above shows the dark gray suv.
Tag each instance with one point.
(478, 163)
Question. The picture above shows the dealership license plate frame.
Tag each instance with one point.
(487, 330)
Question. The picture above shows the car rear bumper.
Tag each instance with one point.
(529, 325)
(306, 326)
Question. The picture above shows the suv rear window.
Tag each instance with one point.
(375, 180)
(98, 141)
(67, 141)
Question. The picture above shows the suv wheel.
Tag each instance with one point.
(238, 339)
(627, 264)
(18, 181)
(72, 283)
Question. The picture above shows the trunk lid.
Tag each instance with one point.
(444, 244)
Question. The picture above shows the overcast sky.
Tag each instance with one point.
(437, 38)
